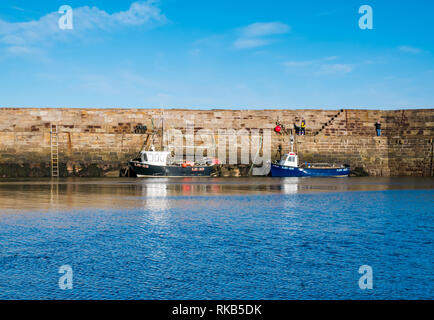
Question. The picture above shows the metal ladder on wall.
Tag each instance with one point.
(54, 138)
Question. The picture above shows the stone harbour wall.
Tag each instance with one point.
(98, 142)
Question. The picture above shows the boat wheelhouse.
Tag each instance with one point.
(288, 167)
(160, 164)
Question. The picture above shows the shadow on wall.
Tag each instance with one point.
(359, 172)
(15, 170)
(43, 170)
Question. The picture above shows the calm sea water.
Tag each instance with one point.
(217, 238)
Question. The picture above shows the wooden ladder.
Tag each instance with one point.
(54, 138)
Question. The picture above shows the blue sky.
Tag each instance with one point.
(217, 54)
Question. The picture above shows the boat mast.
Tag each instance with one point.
(162, 132)
(291, 139)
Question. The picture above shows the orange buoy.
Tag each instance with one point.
(184, 165)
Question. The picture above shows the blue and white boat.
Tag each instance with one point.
(288, 167)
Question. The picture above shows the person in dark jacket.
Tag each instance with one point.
(378, 128)
(296, 129)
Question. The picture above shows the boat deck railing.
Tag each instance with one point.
(321, 165)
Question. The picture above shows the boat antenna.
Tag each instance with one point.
(153, 130)
(162, 131)
(291, 139)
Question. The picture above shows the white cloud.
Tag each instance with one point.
(330, 58)
(304, 63)
(321, 66)
(257, 34)
(336, 68)
(409, 49)
(195, 52)
(20, 50)
(139, 13)
(17, 8)
(22, 34)
(250, 43)
(260, 29)
(291, 64)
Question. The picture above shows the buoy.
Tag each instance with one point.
(184, 165)
(277, 128)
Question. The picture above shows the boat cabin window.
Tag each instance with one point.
(155, 158)
(289, 160)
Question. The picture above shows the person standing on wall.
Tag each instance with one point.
(303, 127)
(378, 128)
(296, 129)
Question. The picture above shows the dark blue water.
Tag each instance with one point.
(264, 245)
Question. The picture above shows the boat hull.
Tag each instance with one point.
(148, 170)
(284, 171)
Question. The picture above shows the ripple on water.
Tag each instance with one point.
(246, 246)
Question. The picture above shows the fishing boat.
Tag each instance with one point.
(288, 166)
(160, 164)
(152, 163)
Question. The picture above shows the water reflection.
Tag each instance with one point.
(236, 238)
(152, 194)
(290, 185)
